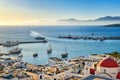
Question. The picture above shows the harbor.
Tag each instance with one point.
(54, 46)
(59, 40)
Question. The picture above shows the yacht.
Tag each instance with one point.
(50, 49)
(65, 54)
(15, 50)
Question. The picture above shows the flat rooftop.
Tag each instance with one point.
(55, 59)
(94, 77)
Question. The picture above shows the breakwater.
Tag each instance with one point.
(101, 38)
(27, 42)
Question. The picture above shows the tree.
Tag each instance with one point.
(115, 54)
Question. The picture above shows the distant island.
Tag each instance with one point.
(112, 25)
(108, 18)
(69, 20)
(105, 18)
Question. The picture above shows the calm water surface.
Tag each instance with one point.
(75, 48)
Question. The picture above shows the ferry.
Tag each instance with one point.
(40, 38)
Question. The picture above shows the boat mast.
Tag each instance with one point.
(65, 49)
(50, 46)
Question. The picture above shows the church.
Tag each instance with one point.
(107, 68)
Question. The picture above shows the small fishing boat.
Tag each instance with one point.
(65, 54)
(20, 55)
(35, 55)
(50, 49)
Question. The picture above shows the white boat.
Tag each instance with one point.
(50, 49)
(65, 54)
(11, 43)
(15, 50)
(40, 38)
(20, 55)
(37, 35)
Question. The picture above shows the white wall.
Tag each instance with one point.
(112, 71)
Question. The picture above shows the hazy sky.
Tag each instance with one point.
(45, 12)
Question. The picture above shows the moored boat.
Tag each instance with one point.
(20, 55)
(35, 55)
(65, 54)
(50, 49)
(15, 50)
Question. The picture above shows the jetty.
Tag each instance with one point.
(27, 42)
(101, 38)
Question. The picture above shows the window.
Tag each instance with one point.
(40, 76)
(55, 79)
(104, 70)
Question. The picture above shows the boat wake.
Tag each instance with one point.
(35, 34)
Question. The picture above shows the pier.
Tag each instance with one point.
(101, 38)
(27, 42)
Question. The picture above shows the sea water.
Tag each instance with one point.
(75, 48)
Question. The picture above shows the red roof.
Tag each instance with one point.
(108, 62)
(92, 71)
(118, 75)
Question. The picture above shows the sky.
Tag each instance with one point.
(47, 12)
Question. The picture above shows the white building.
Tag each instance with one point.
(96, 56)
(55, 60)
(107, 67)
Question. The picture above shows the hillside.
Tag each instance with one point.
(112, 25)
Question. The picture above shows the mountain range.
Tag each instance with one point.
(106, 18)
(70, 20)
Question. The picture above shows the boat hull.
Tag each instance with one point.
(49, 51)
(35, 55)
(40, 38)
(15, 52)
(64, 55)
